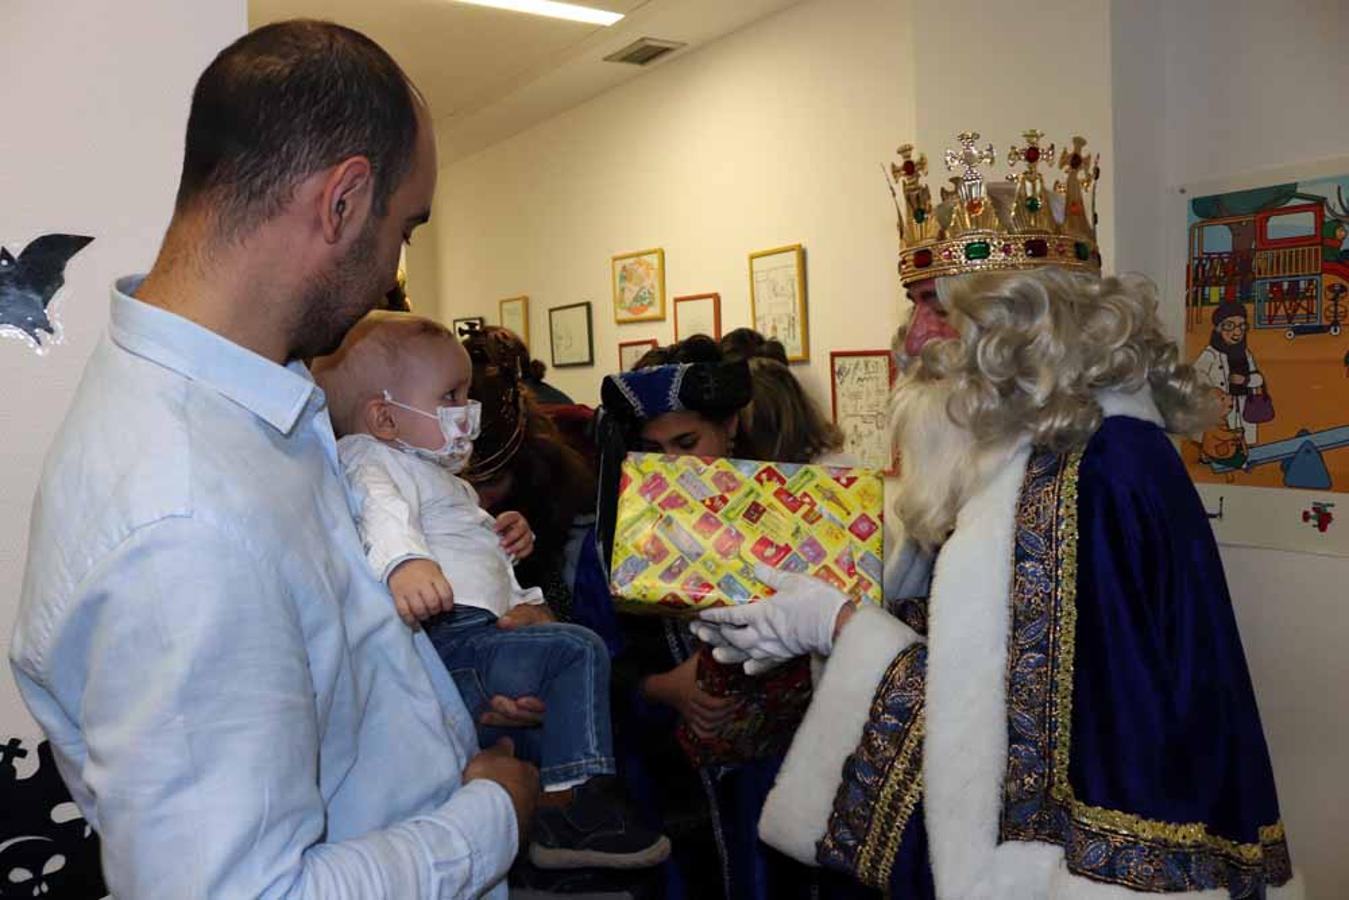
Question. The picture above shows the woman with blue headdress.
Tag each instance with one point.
(682, 399)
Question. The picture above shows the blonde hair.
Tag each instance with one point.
(1037, 347)
(781, 423)
(371, 359)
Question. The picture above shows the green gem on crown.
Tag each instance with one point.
(1033, 204)
(1082, 250)
(978, 250)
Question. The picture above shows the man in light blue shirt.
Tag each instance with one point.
(229, 693)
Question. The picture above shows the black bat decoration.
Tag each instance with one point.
(28, 283)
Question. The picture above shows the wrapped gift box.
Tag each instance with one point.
(690, 530)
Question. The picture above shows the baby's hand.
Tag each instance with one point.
(516, 537)
(420, 591)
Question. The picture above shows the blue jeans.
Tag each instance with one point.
(565, 666)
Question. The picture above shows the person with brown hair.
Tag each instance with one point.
(522, 462)
(683, 399)
(746, 343)
(230, 697)
(783, 424)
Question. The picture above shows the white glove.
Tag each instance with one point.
(723, 652)
(797, 620)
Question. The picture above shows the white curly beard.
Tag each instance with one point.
(941, 464)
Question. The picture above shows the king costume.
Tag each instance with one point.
(1059, 706)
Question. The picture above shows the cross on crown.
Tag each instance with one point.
(970, 157)
(1031, 154)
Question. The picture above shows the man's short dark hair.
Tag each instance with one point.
(286, 101)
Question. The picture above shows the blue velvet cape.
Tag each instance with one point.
(1134, 742)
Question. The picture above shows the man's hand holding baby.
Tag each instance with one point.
(420, 590)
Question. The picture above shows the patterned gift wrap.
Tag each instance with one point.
(690, 530)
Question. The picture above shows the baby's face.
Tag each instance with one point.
(436, 372)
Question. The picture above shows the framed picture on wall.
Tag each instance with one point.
(570, 333)
(631, 351)
(777, 298)
(639, 286)
(1269, 471)
(697, 314)
(859, 387)
(467, 324)
(514, 314)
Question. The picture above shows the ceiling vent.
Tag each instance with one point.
(644, 51)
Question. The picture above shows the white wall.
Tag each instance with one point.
(95, 108)
(1205, 90)
(1000, 67)
(772, 135)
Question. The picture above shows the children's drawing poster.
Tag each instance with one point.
(860, 382)
(1266, 327)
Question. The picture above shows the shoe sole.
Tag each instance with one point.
(559, 858)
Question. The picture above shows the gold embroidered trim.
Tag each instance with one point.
(882, 780)
(887, 830)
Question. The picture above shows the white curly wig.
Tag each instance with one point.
(1036, 349)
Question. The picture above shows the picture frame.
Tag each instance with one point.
(571, 335)
(777, 298)
(859, 390)
(631, 351)
(639, 286)
(697, 314)
(464, 324)
(513, 313)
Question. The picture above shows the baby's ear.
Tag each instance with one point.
(377, 416)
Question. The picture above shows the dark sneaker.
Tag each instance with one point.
(597, 829)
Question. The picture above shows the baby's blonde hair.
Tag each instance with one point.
(371, 360)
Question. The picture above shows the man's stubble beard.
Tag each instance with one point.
(339, 299)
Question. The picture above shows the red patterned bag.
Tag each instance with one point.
(771, 708)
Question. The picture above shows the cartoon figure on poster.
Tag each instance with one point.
(1266, 309)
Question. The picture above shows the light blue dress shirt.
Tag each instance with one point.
(230, 695)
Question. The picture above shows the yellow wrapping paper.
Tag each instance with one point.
(690, 530)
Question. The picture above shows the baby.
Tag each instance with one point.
(397, 392)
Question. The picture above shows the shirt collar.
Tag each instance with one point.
(274, 393)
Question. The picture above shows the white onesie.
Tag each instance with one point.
(410, 508)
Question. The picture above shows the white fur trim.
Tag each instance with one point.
(1135, 405)
(965, 753)
(797, 810)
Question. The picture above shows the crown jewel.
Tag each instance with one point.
(981, 226)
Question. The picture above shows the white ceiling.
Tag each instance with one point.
(488, 74)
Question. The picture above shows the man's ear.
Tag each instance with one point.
(346, 200)
(379, 420)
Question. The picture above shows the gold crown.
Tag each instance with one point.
(981, 227)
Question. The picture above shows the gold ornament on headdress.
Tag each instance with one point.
(980, 226)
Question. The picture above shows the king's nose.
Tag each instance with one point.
(926, 324)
